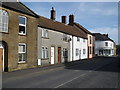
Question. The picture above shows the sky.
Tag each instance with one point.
(97, 17)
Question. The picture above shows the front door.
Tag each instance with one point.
(59, 54)
(52, 55)
(1, 59)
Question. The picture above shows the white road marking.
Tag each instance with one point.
(70, 80)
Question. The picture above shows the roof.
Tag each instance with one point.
(19, 7)
(60, 27)
(81, 27)
(101, 37)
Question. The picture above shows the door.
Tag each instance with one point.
(59, 54)
(52, 55)
(1, 59)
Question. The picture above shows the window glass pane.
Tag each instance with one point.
(3, 21)
(21, 48)
(22, 29)
(22, 20)
(22, 57)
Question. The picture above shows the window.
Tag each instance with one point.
(45, 33)
(64, 37)
(77, 52)
(78, 39)
(84, 51)
(22, 52)
(44, 52)
(90, 40)
(106, 43)
(83, 40)
(65, 52)
(3, 21)
(22, 25)
(90, 50)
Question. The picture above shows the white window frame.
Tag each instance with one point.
(44, 33)
(65, 37)
(23, 25)
(78, 39)
(2, 27)
(84, 51)
(65, 52)
(77, 52)
(106, 43)
(83, 40)
(21, 52)
(45, 54)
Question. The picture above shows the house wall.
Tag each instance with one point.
(92, 45)
(55, 39)
(79, 45)
(12, 38)
(101, 45)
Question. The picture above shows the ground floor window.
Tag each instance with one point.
(21, 52)
(77, 52)
(44, 52)
(105, 52)
(65, 52)
(84, 51)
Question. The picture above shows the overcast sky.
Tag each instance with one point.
(97, 17)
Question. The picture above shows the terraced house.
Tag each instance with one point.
(30, 40)
(18, 44)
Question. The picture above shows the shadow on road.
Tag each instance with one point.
(108, 64)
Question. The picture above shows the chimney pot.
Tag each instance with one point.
(71, 19)
(64, 19)
(53, 14)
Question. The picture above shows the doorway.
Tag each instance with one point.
(1, 58)
(52, 55)
(59, 55)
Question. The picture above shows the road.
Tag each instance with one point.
(101, 72)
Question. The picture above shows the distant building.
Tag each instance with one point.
(104, 46)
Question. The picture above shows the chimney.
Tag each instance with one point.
(105, 35)
(53, 14)
(64, 19)
(71, 19)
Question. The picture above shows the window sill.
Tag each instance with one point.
(22, 62)
(45, 37)
(4, 32)
(44, 58)
(22, 34)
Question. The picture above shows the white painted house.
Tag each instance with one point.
(79, 48)
(104, 46)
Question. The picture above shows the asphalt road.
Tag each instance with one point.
(95, 73)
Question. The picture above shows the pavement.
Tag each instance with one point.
(100, 72)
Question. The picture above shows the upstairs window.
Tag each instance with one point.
(84, 40)
(45, 33)
(78, 39)
(90, 40)
(106, 43)
(64, 37)
(22, 25)
(3, 21)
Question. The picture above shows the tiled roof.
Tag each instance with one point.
(61, 27)
(19, 7)
(101, 37)
(82, 28)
